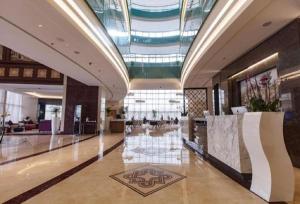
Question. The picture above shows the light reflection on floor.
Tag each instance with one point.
(158, 146)
(15, 146)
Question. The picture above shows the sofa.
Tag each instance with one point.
(45, 126)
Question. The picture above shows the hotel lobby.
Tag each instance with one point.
(134, 101)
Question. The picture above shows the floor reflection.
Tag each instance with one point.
(158, 146)
(14, 147)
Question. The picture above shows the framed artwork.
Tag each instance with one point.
(55, 74)
(2, 71)
(42, 73)
(13, 72)
(28, 72)
(247, 86)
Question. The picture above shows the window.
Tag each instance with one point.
(221, 101)
(49, 111)
(13, 105)
(153, 104)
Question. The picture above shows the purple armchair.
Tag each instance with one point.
(45, 126)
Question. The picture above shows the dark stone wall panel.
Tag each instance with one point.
(80, 94)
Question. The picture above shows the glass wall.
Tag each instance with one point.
(111, 15)
(195, 15)
(154, 104)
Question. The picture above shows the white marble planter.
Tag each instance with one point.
(272, 170)
(55, 122)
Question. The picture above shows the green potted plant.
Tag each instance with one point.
(262, 96)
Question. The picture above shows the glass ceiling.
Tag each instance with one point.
(188, 14)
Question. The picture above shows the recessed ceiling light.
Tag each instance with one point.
(266, 24)
(40, 25)
(60, 39)
(76, 52)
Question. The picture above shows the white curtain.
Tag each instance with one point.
(2, 92)
(14, 107)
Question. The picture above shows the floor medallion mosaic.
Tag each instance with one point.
(147, 179)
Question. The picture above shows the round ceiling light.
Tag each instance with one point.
(60, 39)
(266, 24)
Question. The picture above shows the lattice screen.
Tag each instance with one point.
(195, 101)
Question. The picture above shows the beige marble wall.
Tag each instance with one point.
(225, 141)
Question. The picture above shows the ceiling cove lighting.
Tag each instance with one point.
(38, 95)
(228, 13)
(265, 60)
(75, 11)
(291, 75)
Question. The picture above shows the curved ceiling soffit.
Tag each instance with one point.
(208, 35)
(81, 15)
(59, 52)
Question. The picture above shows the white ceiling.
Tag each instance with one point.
(155, 26)
(243, 34)
(155, 50)
(37, 30)
(51, 90)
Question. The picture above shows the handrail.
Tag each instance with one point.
(153, 6)
(162, 34)
(154, 58)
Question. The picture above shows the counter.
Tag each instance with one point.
(225, 142)
(186, 127)
(117, 125)
(193, 131)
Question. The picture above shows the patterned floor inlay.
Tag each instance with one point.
(147, 179)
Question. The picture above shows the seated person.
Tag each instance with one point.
(144, 120)
(176, 121)
(10, 123)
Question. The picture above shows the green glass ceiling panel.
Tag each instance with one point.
(159, 14)
(154, 72)
(155, 41)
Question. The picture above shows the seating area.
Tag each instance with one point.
(21, 126)
(150, 124)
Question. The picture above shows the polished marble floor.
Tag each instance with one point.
(150, 166)
(19, 146)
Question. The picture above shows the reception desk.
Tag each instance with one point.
(117, 125)
(225, 142)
